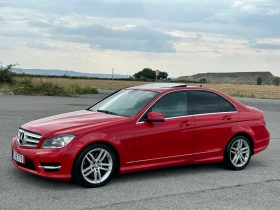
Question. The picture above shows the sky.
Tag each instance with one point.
(181, 37)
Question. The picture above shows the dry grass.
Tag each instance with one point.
(248, 91)
(98, 84)
(251, 91)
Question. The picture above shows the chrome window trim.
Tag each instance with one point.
(170, 118)
(138, 122)
(213, 113)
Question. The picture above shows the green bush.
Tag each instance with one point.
(76, 89)
(276, 81)
(6, 76)
(28, 87)
(259, 81)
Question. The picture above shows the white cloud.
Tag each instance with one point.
(249, 8)
(200, 28)
(237, 4)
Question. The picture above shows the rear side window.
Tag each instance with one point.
(225, 105)
(205, 102)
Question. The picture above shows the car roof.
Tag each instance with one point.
(165, 87)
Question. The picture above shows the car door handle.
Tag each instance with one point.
(186, 123)
(227, 117)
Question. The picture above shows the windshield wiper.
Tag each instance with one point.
(106, 112)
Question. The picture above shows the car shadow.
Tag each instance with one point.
(148, 175)
(170, 172)
(155, 174)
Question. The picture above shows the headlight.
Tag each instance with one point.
(58, 141)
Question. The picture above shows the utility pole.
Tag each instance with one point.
(112, 74)
(1, 65)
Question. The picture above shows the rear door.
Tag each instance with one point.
(215, 118)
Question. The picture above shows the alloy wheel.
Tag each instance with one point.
(96, 166)
(239, 153)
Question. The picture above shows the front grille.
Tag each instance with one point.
(29, 164)
(28, 139)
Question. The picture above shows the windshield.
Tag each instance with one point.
(125, 103)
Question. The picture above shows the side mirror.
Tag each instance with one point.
(155, 117)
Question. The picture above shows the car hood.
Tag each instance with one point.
(72, 122)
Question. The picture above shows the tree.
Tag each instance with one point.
(163, 75)
(259, 81)
(6, 75)
(148, 73)
(203, 80)
(276, 81)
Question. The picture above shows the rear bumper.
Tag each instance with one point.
(36, 158)
(261, 145)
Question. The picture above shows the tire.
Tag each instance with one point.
(238, 153)
(95, 166)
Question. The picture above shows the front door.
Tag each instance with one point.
(170, 139)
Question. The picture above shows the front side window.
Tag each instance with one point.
(125, 103)
(171, 105)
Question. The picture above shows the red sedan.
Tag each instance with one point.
(140, 128)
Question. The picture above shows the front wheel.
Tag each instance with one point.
(238, 153)
(95, 166)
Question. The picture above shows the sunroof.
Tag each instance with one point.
(164, 85)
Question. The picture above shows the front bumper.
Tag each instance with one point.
(36, 161)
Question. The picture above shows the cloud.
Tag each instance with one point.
(40, 45)
(175, 10)
(265, 46)
(19, 33)
(132, 45)
(237, 4)
(5, 46)
(137, 38)
(39, 24)
(197, 37)
(249, 8)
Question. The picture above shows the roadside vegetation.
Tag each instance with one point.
(248, 91)
(11, 84)
(65, 86)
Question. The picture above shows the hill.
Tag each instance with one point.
(56, 72)
(231, 78)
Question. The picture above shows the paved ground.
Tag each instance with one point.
(187, 187)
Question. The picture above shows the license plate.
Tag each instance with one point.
(18, 157)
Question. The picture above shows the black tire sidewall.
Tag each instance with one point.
(227, 162)
(76, 170)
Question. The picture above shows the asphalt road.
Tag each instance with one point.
(188, 187)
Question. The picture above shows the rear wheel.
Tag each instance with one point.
(238, 153)
(95, 166)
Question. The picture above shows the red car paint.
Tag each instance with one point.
(144, 145)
